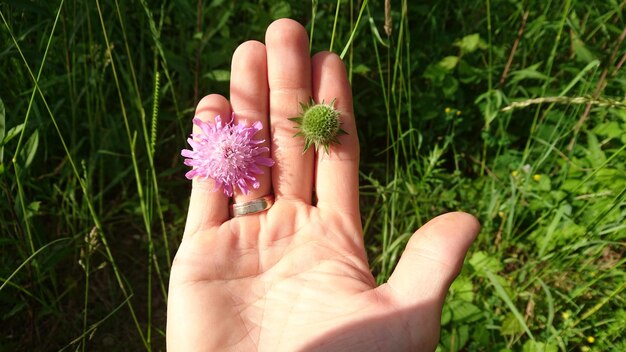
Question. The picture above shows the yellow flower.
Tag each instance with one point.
(447, 110)
(501, 214)
(585, 349)
(458, 113)
(591, 339)
(537, 177)
(565, 315)
(514, 173)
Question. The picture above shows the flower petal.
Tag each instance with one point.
(226, 153)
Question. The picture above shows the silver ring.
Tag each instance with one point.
(252, 207)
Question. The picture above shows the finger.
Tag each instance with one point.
(337, 172)
(433, 258)
(289, 78)
(249, 101)
(207, 207)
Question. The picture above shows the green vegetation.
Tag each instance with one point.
(510, 110)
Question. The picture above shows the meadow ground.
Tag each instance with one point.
(511, 110)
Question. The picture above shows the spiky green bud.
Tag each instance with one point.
(318, 124)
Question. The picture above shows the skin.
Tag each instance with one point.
(296, 277)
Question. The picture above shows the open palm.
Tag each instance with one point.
(296, 277)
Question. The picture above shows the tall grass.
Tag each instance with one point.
(511, 111)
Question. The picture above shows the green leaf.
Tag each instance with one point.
(30, 148)
(536, 346)
(511, 326)
(435, 74)
(530, 72)
(13, 132)
(610, 129)
(470, 43)
(543, 184)
(462, 311)
(595, 155)
(360, 69)
(580, 50)
(376, 33)
(463, 336)
(495, 281)
(33, 208)
(448, 63)
(489, 104)
(547, 240)
(446, 314)
(455, 340)
(450, 86)
(581, 74)
(462, 289)
(482, 262)
(280, 9)
(218, 75)
(620, 113)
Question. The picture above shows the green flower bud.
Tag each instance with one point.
(319, 125)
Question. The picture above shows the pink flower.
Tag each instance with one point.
(227, 154)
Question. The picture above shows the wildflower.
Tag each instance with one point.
(591, 339)
(537, 177)
(319, 124)
(226, 153)
(447, 110)
(501, 214)
(458, 113)
(514, 173)
(565, 315)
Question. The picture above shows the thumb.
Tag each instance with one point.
(433, 258)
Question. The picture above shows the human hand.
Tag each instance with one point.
(296, 277)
